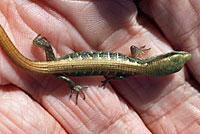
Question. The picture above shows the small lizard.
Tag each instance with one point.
(95, 63)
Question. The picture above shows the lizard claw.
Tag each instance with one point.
(78, 88)
(104, 82)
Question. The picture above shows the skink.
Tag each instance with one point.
(94, 63)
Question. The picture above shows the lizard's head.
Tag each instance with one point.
(175, 61)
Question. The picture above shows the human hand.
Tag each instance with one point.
(38, 103)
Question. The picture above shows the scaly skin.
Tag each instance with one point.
(94, 63)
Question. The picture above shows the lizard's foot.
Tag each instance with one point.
(104, 82)
(78, 88)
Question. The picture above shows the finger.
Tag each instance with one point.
(179, 21)
(20, 114)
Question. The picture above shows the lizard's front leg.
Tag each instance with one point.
(43, 43)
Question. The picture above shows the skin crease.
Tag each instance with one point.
(39, 103)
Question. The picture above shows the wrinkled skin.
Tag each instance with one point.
(39, 103)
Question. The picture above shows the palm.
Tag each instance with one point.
(150, 104)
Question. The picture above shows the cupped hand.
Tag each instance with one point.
(40, 103)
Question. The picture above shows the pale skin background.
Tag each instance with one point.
(38, 103)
